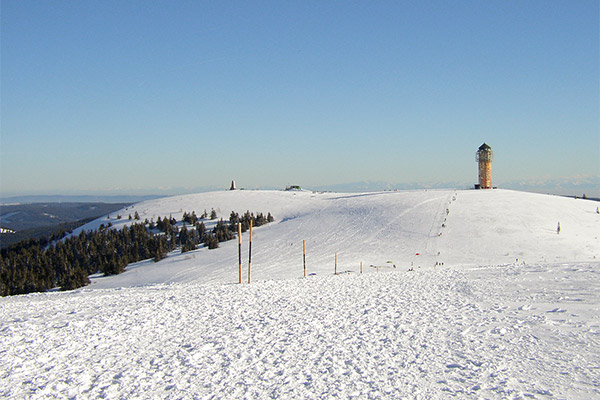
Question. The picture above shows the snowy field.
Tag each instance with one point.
(466, 228)
(513, 313)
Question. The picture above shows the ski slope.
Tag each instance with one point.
(468, 227)
(513, 312)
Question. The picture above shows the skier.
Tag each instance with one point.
(558, 228)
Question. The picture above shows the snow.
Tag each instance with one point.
(512, 313)
(485, 227)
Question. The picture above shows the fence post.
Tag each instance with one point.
(304, 256)
(250, 253)
(240, 250)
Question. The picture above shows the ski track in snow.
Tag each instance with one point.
(486, 332)
(485, 325)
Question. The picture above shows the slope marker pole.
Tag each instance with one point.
(361, 267)
(240, 250)
(335, 270)
(304, 256)
(250, 253)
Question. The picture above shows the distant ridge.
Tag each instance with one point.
(568, 186)
(77, 199)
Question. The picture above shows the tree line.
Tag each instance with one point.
(38, 265)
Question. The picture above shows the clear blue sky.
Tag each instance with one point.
(143, 96)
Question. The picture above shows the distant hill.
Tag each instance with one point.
(75, 199)
(25, 221)
(417, 228)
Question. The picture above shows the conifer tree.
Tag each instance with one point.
(183, 235)
(211, 241)
(234, 219)
(201, 231)
(160, 252)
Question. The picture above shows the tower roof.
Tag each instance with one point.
(484, 147)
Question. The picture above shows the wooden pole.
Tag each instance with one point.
(240, 249)
(250, 253)
(335, 271)
(304, 256)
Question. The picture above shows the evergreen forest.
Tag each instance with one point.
(38, 265)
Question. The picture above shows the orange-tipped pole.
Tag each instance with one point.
(240, 249)
(304, 256)
(250, 253)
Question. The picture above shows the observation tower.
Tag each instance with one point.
(484, 158)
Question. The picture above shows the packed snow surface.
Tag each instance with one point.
(485, 332)
(513, 312)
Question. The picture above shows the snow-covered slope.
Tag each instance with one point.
(483, 325)
(510, 332)
(408, 228)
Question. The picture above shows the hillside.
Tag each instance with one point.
(408, 228)
(483, 325)
(27, 216)
(26, 221)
